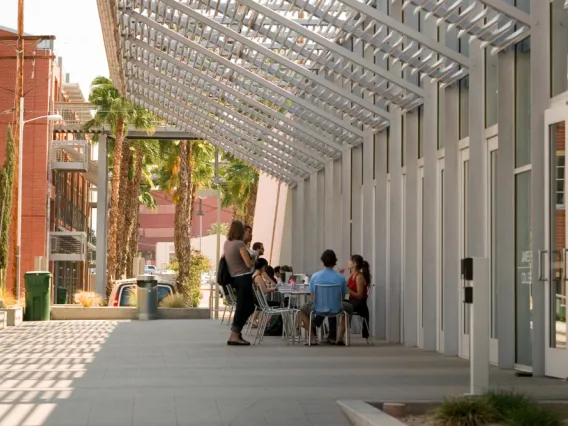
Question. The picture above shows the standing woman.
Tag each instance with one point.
(240, 263)
(358, 287)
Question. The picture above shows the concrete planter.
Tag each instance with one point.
(78, 312)
(12, 316)
(183, 313)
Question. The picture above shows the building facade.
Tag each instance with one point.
(414, 132)
(53, 200)
(478, 170)
(157, 226)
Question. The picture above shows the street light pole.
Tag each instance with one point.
(50, 117)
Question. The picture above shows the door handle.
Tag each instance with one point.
(541, 274)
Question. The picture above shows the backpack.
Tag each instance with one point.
(223, 276)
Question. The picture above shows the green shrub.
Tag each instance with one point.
(465, 411)
(533, 415)
(505, 402)
(174, 300)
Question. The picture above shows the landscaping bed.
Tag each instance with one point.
(495, 408)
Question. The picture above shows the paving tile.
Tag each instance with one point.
(326, 419)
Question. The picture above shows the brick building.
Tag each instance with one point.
(158, 226)
(46, 193)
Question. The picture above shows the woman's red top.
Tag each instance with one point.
(352, 285)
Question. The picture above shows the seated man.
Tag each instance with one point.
(326, 276)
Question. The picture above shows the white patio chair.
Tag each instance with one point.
(230, 301)
(266, 312)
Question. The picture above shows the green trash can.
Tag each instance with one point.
(38, 288)
(61, 296)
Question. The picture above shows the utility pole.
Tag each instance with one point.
(18, 148)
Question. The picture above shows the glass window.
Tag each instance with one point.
(420, 130)
(464, 107)
(523, 258)
(560, 178)
(442, 251)
(441, 117)
(558, 48)
(491, 83)
(523, 103)
(493, 239)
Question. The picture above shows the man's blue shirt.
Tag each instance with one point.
(328, 301)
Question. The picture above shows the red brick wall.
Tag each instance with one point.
(37, 81)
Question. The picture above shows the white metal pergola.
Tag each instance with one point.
(273, 81)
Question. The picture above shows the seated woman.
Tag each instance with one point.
(261, 280)
(358, 285)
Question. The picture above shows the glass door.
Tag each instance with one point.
(465, 314)
(554, 271)
(492, 145)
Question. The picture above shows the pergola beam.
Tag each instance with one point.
(337, 49)
(197, 113)
(294, 145)
(182, 122)
(247, 122)
(172, 35)
(336, 147)
(284, 61)
(511, 11)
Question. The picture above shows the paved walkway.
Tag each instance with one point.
(175, 373)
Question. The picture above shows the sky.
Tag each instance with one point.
(76, 26)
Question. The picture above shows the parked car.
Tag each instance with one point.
(149, 269)
(119, 296)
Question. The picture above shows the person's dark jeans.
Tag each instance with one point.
(360, 308)
(245, 301)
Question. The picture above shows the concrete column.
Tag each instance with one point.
(540, 101)
(477, 153)
(298, 235)
(382, 204)
(505, 211)
(329, 206)
(345, 204)
(393, 286)
(310, 231)
(337, 237)
(430, 223)
(411, 249)
(452, 276)
(356, 199)
(102, 217)
(368, 237)
(287, 228)
(320, 217)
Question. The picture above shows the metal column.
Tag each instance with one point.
(102, 217)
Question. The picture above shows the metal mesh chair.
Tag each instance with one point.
(230, 301)
(267, 311)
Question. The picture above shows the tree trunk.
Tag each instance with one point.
(251, 205)
(132, 214)
(114, 213)
(182, 224)
(123, 201)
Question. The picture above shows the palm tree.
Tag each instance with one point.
(240, 188)
(222, 227)
(140, 154)
(186, 167)
(117, 113)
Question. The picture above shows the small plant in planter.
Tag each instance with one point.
(465, 411)
(131, 297)
(505, 402)
(533, 415)
(7, 299)
(88, 299)
(174, 300)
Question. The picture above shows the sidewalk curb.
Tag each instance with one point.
(360, 413)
